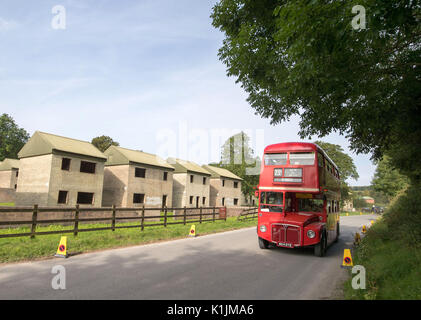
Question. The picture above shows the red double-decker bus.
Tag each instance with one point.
(299, 193)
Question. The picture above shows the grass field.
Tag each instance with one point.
(24, 248)
(7, 204)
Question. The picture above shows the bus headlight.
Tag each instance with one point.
(311, 234)
(263, 228)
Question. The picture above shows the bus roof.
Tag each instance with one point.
(297, 147)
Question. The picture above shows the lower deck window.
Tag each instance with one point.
(85, 198)
(310, 205)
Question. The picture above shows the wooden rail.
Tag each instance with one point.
(200, 217)
(250, 213)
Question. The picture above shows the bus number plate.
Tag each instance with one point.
(283, 244)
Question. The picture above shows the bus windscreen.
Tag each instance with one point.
(272, 201)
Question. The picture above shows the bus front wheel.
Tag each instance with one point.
(320, 248)
(263, 244)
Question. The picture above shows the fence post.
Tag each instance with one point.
(185, 215)
(34, 221)
(76, 228)
(165, 216)
(200, 220)
(213, 214)
(143, 219)
(113, 220)
(226, 213)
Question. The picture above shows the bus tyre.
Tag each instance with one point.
(337, 233)
(263, 244)
(320, 248)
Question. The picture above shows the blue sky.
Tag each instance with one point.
(144, 72)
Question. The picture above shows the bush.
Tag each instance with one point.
(391, 252)
(403, 217)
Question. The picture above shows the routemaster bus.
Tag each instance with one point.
(299, 193)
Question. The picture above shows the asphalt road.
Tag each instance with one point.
(227, 265)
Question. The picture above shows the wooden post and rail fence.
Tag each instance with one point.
(211, 214)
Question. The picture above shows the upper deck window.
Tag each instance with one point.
(320, 159)
(275, 159)
(301, 158)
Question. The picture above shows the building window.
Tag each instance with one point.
(204, 180)
(62, 197)
(203, 200)
(191, 178)
(87, 167)
(16, 186)
(197, 201)
(140, 172)
(235, 184)
(165, 176)
(65, 164)
(164, 200)
(191, 199)
(223, 183)
(235, 202)
(17, 173)
(138, 197)
(85, 198)
(223, 201)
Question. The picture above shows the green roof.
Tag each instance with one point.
(184, 166)
(9, 164)
(45, 143)
(217, 172)
(121, 156)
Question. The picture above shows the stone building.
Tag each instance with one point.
(59, 171)
(9, 171)
(249, 200)
(191, 184)
(225, 187)
(134, 178)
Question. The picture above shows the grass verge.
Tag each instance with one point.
(24, 248)
(7, 204)
(391, 254)
(393, 269)
(354, 213)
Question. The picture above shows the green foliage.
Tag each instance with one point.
(404, 216)
(104, 142)
(391, 263)
(12, 138)
(359, 203)
(345, 164)
(387, 180)
(304, 58)
(238, 157)
(391, 251)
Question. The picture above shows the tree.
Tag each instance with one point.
(305, 58)
(345, 165)
(104, 142)
(387, 179)
(12, 138)
(238, 157)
